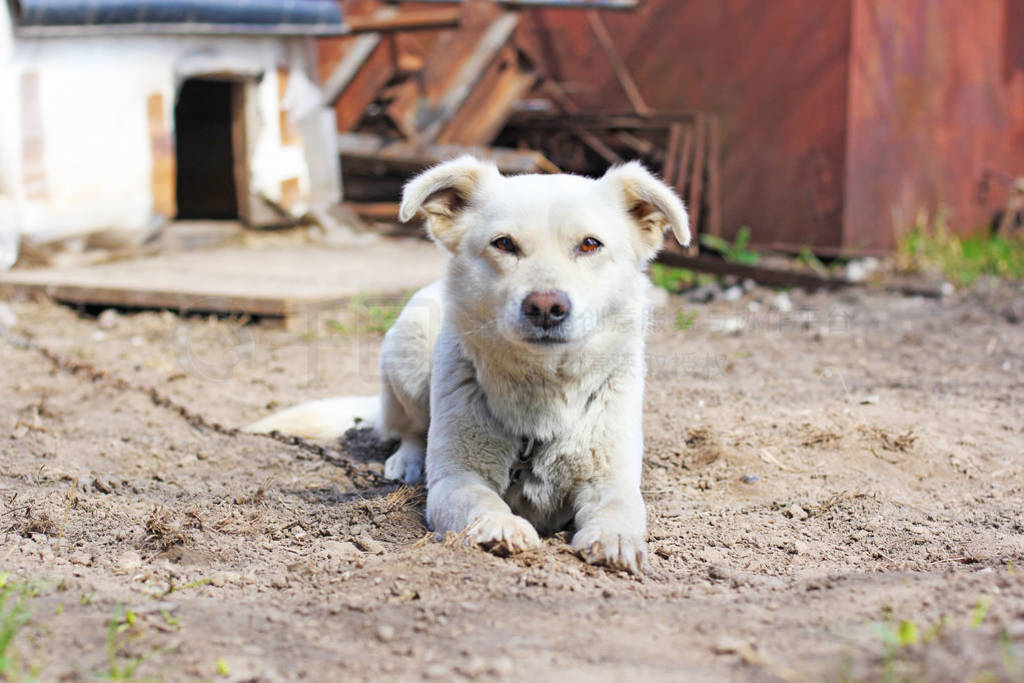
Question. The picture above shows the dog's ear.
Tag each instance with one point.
(442, 193)
(652, 205)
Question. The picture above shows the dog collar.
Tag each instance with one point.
(524, 459)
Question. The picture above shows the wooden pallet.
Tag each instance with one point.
(291, 284)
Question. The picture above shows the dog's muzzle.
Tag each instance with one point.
(546, 310)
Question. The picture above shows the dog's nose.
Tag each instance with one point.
(546, 309)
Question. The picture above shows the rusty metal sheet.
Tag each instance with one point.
(774, 73)
(839, 120)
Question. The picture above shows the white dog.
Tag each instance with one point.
(517, 380)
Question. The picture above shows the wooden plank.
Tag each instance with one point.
(771, 277)
(363, 86)
(240, 152)
(637, 144)
(685, 159)
(413, 157)
(161, 149)
(289, 133)
(290, 193)
(346, 69)
(697, 175)
(416, 20)
(595, 143)
(714, 201)
(575, 4)
(485, 111)
(266, 282)
(622, 73)
(497, 35)
(383, 212)
(673, 154)
(600, 122)
(33, 157)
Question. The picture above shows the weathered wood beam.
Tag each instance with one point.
(414, 156)
(417, 20)
(473, 69)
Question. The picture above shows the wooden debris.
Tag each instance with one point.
(683, 147)
(414, 20)
(366, 147)
(625, 79)
(770, 277)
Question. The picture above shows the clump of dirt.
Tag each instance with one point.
(704, 447)
(900, 443)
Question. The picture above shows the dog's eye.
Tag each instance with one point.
(589, 245)
(505, 244)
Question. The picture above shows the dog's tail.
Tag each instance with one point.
(327, 418)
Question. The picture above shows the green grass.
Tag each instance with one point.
(737, 252)
(685, 320)
(14, 615)
(120, 632)
(961, 260)
(904, 641)
(367, 315)
(671, 279)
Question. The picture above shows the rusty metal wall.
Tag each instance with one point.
(774, 72)
(840, 119)
(936, 120)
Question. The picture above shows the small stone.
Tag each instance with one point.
(278, 580)
(8, 318)
(97, 336)
(385, 633)
(796, 512)
(108, 319)
(801, 548)
(869, 400)
(137, 341)
(80, 557)
(750, 478)
(220, 579)
(341, 550)
(732, 293)
(129, 561)
(703, 294)
(728, 324)
(370, 545)
(435, 671)
(475, 667)
(727, 645)
(710, 555)
(502, 666)
(782, 303)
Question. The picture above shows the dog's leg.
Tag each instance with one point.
(406, 463)
(405, 384)
(465, 502)
(611, 521)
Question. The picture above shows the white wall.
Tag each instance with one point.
(93, 93)
(8, 96)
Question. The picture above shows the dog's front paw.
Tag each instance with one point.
(503, 534)
(610, 548)
(405, 464)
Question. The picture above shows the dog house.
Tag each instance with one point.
(117, 115)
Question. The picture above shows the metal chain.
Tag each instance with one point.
(360, 475)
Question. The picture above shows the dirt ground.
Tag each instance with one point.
(835, 492)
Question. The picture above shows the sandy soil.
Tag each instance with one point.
(814, 479)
